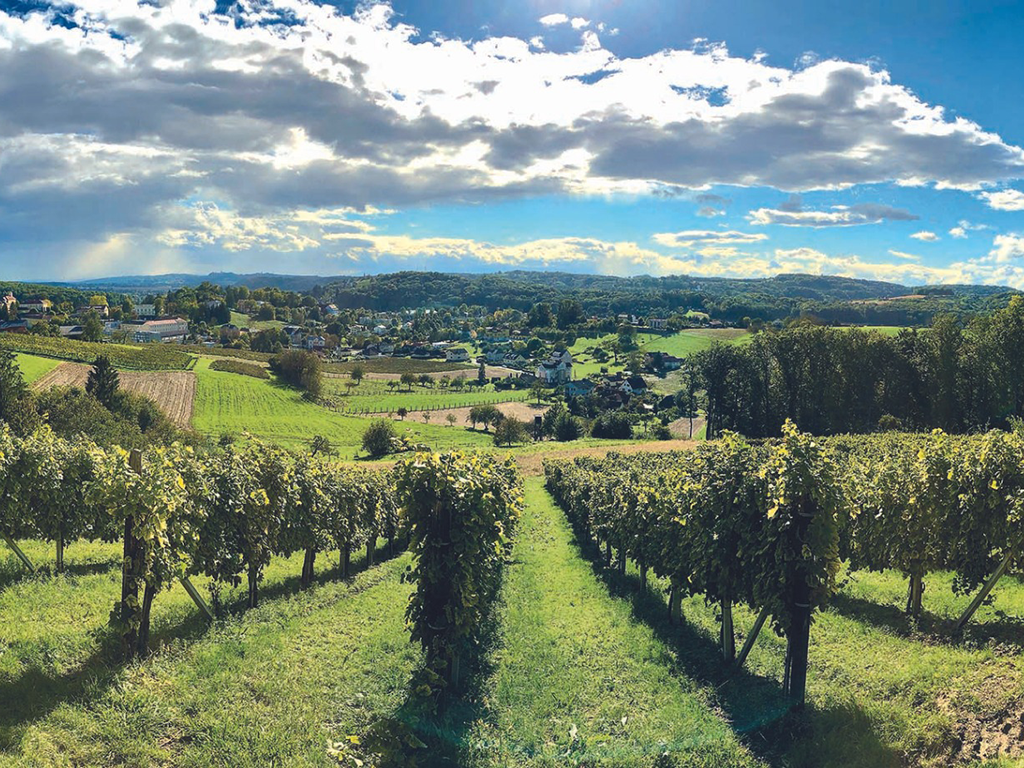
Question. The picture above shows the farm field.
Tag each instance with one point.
(584, 670)
(230, 403)
(33, 367)
(400, 365)
(373, 395)
(247, 321)
(173, 391)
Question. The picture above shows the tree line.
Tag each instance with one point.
(956, 375)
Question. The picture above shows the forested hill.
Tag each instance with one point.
(834, 299)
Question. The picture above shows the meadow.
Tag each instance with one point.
(679, 344)
(583, 669)
(233, 404)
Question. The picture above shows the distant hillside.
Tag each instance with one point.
(834, 299)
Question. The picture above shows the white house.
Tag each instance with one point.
(456, 355)
(554, 372)
(657, 323)
(145, 310)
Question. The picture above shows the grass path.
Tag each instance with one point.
(577, 680)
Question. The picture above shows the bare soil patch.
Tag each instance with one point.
(173, 391)
(491, 371)
(522, 411)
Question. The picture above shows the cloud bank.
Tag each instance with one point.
(175, 126)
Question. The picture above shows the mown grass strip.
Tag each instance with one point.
(578, 680)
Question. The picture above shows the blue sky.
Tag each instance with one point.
(876, 140)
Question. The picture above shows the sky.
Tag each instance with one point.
(740, 139)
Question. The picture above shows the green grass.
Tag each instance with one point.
(578, 680)
(229, 403)
(264, 687)
(679, 344)
(34, 368)
(246, 321)
(374, 395)
(881, 691)
(885, 330)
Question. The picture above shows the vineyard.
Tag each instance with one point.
(602, 631)
(150, 357)
(767, 525)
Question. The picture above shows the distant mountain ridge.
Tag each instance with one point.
(795, 285)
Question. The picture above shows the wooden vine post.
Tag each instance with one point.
(748, 644)
(727, 635)
(915, 591)
(798, 636)
(131, 567)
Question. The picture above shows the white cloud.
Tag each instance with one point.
(791, 215)
(553, 19)
(1006, 248)
(288, 105)
(904, 255)
(579, 22)
(1005, 200)
(925, 236)
(958, 232)
(705, 237)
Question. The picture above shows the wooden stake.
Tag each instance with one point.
(675, 605)
(748, 644)
(916, 591)
(798, 637)
(130, 567)
(20, 555)
(980, 597)
(727, 636)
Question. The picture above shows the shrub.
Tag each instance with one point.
(299, 369)
(379, 438)
(612, 425)
(236, 366)
(567, 428)
(661, 432)
(510, 430)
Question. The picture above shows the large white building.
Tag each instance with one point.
(171, 331)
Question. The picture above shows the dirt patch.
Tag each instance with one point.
(681, 427)
(174, 392)
(522, 411)
(987, 721)
(491, 371)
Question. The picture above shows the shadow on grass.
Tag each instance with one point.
(1006, 630)
(36, 691)
(755, 706)
(13, 572)
(437, 731)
